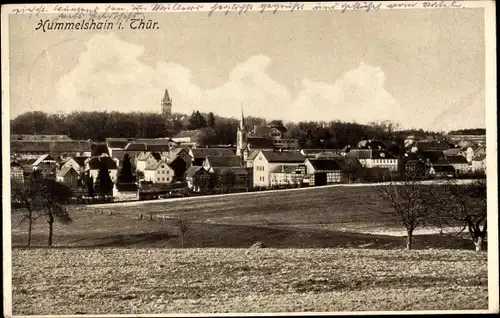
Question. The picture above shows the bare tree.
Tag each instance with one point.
(183, 228)
(411, 203)
(53, 205)
(27, 195)
(466, 205)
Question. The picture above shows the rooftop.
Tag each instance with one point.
(283, 156)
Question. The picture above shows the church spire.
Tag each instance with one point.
(242, 119)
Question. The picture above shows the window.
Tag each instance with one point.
(162, 179)
(158, 179)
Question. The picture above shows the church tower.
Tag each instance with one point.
(166, 105)
(241, 138)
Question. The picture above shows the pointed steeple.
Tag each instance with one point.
(242, 119)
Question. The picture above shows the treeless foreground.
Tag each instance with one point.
(133, 281)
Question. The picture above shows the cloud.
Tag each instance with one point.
(110, 76)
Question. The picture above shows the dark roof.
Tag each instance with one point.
(447, 168)
(283, 156)
(382, 154)
(253, 154)
(119, 143)
(15, 164)
(186, 134)
(158, 147)
(236, 170)
(95, 163)
(191, 171)
(480, 157)
(432, 145)
(260, 142)
(451, 151)
(80, 160)
(50, 146)
(99, 148)
(369, 154)
(39, 137)
(456, 159)
(135, 146)
(325, 164)
(219, 161)
(199, 153)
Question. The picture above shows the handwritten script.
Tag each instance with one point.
(134, 16)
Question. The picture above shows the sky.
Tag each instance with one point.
(419, 68)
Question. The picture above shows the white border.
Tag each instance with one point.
(239, 8)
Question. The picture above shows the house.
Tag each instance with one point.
(371, 144)
(179, 160)
(370, 158)
(68, 176)
(287, 175)
(98, 149)
(198, 155)
(16, 172)
(189, 137)
(159, 172)
(324, 171)
(77, 163)
(221, 162)
(459, 163)
(442, 171)
(227, 178)
(116, 146)
(146, 159)
(46, 165)
(452, 152)
(479, 164)
(267, 161)
(197, 178)
(93, 165)
(32, 149)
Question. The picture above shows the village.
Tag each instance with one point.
(151, 168)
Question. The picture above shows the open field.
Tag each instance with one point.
(133, 281)
(317, 217)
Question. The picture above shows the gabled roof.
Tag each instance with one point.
(480, 157)
(41, 159)
(456, 159)
(226, 161)
(191, 171)
(253, 154)
(283, 156)
(186, 134)
(444, 168)
(95, 163)
(99, 148)
(143, 156)
(135, 146)
(451, 151)
(15, 164)
(155, 165)
(158, 147)
(236, 170)
(326, 164)
(201, 153)
(80, 160)
(50, 146)
(117, 143)
(64, 171)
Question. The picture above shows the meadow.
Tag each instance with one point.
(135, 281)
(316, 217)
(322, 254)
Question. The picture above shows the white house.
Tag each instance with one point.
(371, 158)
(459, 163)
(93, 166)
(146, 159)
(479, 163)
(159, 172)
(266, 162)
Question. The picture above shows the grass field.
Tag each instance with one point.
(133, 281)
(318, 217)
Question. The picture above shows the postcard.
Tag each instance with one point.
(259, 158)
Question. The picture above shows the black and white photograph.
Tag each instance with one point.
(249, 158)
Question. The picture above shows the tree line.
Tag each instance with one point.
(215, 129)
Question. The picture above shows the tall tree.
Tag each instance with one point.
(126, 175)
(211, 120)
(103, 184)
(55, 197)
(28, 195)
(466, 205)
(411, 202)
